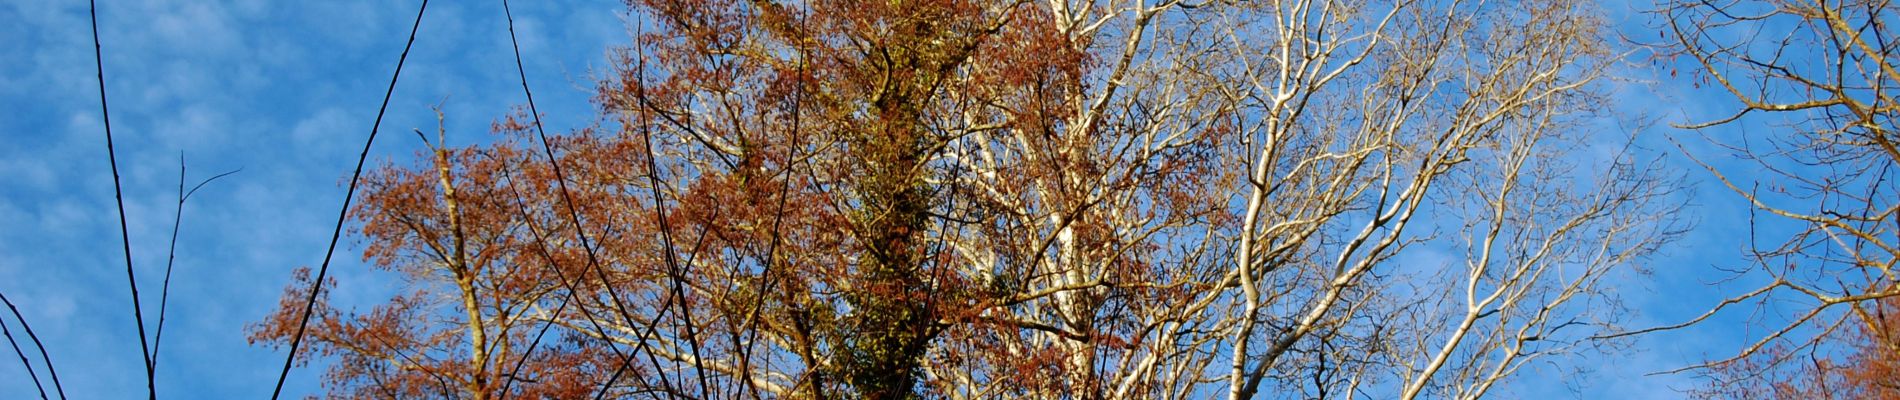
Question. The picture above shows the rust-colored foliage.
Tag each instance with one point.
(476, 279)
(761, 214)
(1860, 360)
(846, 110)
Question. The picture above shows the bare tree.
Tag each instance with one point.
(1167, 275)
(1366, 117)
(1826, 70)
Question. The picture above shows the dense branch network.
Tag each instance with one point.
(979, 199)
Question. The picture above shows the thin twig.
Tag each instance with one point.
(560, 180)
(118, 195)
(44, 358)
(23, 360)
(171, 255)
(316, 286)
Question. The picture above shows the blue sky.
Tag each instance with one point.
(287, 91)
(284, 90)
